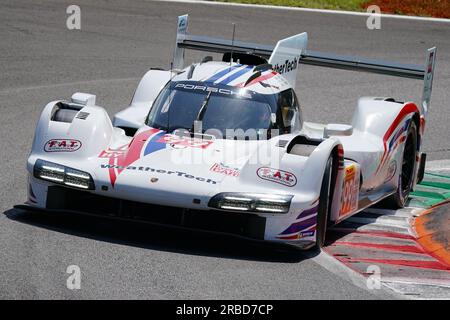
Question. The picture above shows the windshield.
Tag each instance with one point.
(181, 103)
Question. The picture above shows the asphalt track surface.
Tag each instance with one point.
(41, 60)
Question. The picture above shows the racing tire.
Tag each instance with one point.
(406, 176)
(324, 204)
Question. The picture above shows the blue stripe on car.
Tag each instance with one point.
(236, 75)
(222, 73)
(153, 145)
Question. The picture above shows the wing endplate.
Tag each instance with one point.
(287, 54)
(428, 79)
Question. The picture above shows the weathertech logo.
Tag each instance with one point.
(168, 172)
(288, 66)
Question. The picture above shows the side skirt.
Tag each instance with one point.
(365, 203)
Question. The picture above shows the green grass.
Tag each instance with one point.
(353, 5)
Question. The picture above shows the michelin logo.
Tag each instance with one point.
(287, 66)
(148, 169)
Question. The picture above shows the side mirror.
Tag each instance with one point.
(85, 99)
(334, 129)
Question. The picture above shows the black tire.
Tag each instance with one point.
(324, 204)
(406, 177)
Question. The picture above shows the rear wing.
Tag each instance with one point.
(201, 43)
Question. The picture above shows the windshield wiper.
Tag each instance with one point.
(201, 112)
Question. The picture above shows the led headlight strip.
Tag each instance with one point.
(251, 202)
(60, 174)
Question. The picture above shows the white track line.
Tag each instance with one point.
(438, 165)
(351, 13)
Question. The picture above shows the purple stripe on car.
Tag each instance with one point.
(299, 226)
(308, 212)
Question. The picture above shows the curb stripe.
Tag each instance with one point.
(426, 239)
(380, 234)
(436, 265)
(383, 247)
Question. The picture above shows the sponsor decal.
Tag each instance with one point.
(188, 86)
(350, 171)
(178, 142)
(182, 23)
(297, 236)
(304, 224)
(278, 176)
(307, 234)
(350, 190)
(113, 153)
(62, 145)
(226, 170)
(161, 171)
(143, 144)
(287, 66)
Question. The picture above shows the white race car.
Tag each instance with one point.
(222, 146)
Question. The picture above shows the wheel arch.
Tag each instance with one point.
(316, 163)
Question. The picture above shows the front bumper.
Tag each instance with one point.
(242, 225)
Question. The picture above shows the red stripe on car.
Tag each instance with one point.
(407, 109)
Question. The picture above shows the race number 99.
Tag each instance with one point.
(350, 189)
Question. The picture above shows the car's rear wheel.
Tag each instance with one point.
(324, 204)
(406, 177)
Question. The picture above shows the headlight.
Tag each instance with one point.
(251, 202)
(57, 173)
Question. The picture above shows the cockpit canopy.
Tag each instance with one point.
(223, 111)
